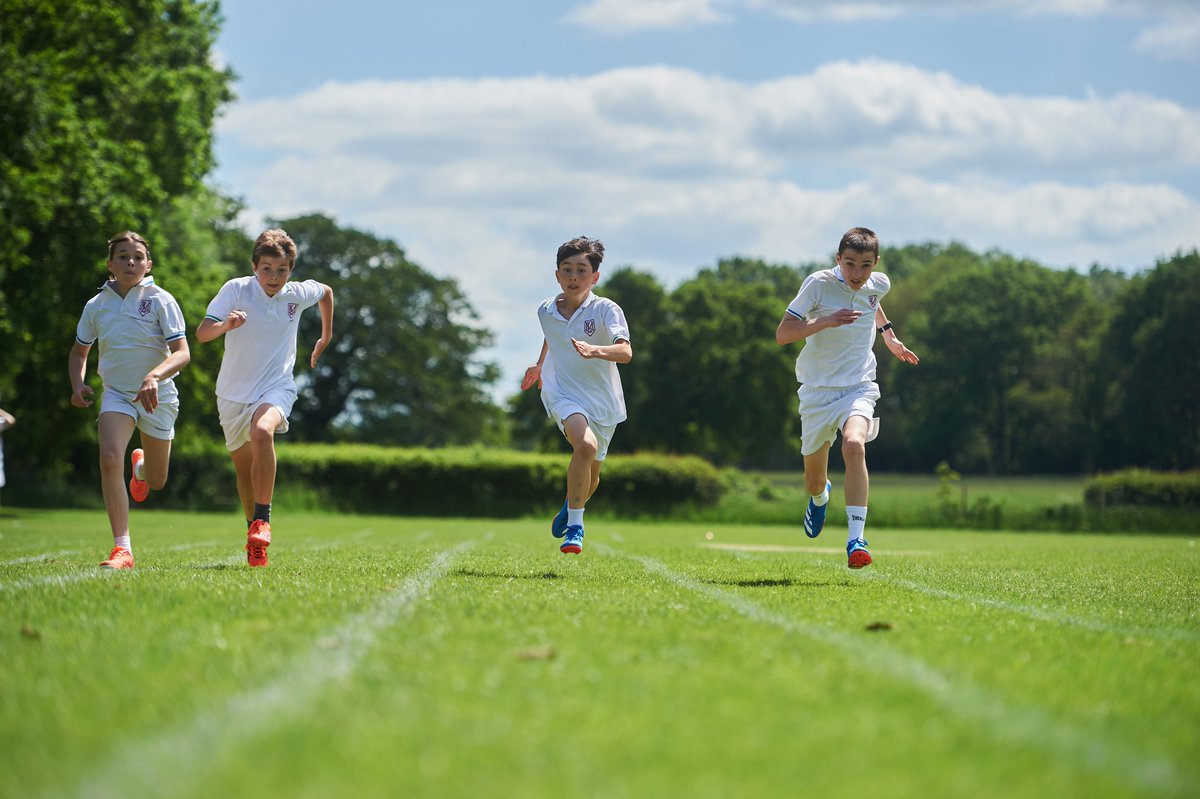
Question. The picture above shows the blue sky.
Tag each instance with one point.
(480, 135)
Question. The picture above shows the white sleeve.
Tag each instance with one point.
(805, 300)
(618, 328)
(170, 318)
(85, 331)
(224, 302)
(309, 292)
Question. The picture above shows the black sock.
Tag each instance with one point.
(262, 512)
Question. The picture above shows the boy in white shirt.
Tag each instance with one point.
(259, 316)
(585, 338)
(143, 345)
(838, 312)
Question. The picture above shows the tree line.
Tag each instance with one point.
(106, 124)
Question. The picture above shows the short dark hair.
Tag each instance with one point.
(274, 242)
(861, 239)
(582, 245)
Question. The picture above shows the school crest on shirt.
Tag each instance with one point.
(589, 327)
(144, 307)
(873, 300)
(292, 306)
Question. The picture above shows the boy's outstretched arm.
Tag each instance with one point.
(889, 338)
(326, 306)
(180, 357)
(619, 352)
(792, 328)
(77, 370)
(209, 329)
(533, 375)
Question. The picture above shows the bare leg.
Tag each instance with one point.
(115, 430)
(854, 452)
(158, 460)
(816, 471)
(267, 419)
(583, 473)
(243, 459)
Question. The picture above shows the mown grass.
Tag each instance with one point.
(385, 656)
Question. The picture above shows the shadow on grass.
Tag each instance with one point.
(216, 566)
(506, 575)
(783, 582)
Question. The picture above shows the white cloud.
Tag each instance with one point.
(1174, 37)
(1178, 40)
(619, 16)
(482, 179)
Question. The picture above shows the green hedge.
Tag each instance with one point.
(445, 482)
(1144, 488)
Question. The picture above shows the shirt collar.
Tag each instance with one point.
(148, 280)
(591, 297)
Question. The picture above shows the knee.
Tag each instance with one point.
(814, 483)
(111, 460)
(854, 449)
(586, 449)
(156, 482)
(261, 435)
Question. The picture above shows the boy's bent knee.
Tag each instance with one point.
(854, 449)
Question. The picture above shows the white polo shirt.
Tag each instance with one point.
(133, 332)
(261, 354)
(838, 356)
(593, 383)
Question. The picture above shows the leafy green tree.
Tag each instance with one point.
(403, 367)
(1151, 355)
(105, 124)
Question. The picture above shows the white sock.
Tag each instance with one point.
(574, 517)
(140, 470)
(822, 498)
(857, 516)
(122, 541)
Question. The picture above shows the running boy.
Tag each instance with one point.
(839, 311)
(585, 338)
(143, 345)
(259, 316)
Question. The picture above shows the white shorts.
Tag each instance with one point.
(160, 424)
(825, 411)
(237, 416)
(603, 433)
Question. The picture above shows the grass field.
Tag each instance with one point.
(415, 657)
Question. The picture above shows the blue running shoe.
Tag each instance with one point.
(857, 555)
(573, 544)
(814, 517)
(558, 527)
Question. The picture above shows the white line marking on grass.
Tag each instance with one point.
(1035, 612)
(1032, 611)
(173, 761)
(802, 549)
(1021, 726)
(36, 558)
(55, 579)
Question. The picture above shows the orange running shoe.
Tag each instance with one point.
(257, 540)
(119, 558)
(137, 488)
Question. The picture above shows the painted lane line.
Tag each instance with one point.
(175, 761)
(36, 558)
(1024, 727)
(1032, 611)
